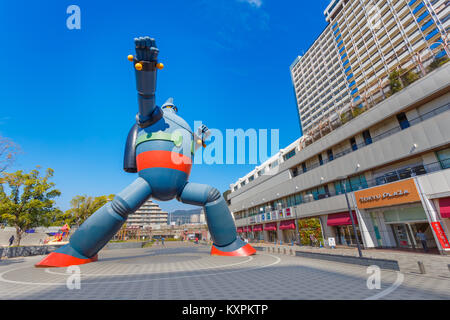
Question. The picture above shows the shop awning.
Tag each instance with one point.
(341, 219)
(444, 205)
(247, 229)
(270, 226)
(258, 227)
(287, 224)
(239, 229)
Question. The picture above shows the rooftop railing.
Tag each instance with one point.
(379, 137)
(391, 176)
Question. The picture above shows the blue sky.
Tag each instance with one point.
(68, 97)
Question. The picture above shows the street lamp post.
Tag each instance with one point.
(351, 218)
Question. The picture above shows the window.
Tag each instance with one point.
(444, 158)
(353, 144)
(330, 155)
(367, 137)
(294, 172)
(251, 178)
(320, 159)
(290, 154)
(402, 120)
(304, 167)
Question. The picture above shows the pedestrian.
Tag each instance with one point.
(196, 240)
(11, 240)
(162, 241)
(423, 238)
(311, 239)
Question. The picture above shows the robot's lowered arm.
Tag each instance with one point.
(129, 159)
(145, 63)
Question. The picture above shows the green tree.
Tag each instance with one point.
(26, 200)
(82, 207)
(394, 81)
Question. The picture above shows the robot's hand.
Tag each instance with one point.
(204, 132)
(146, 49)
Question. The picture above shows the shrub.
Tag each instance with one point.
(394, 81)
(437, 62)
(409, 77)
(357, 111)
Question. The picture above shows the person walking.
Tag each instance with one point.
(423, 238)
(11, 240)
(162, 241)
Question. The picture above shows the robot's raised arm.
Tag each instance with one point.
(146, 65)
(129, 159)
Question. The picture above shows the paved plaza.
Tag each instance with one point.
(187, 271)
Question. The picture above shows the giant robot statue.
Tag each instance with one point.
(160, 148)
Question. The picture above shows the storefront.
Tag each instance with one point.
(444, 210)
(288, 231)
(343, 228)
(258, 232)
(271, 229)
(310, 231)
(397, 215)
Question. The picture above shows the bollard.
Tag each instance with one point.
(421, 267)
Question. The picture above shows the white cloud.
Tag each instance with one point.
(255, 3)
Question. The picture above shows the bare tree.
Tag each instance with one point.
(8, 152)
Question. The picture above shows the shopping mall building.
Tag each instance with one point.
(373, 99)
(393, 160)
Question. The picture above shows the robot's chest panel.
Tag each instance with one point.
(166, 135)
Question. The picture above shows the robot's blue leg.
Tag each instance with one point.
(99, 228)
(218, 217)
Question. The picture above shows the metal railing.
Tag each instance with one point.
(391, 176)
(378, 137)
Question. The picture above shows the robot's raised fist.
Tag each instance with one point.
(146, 49)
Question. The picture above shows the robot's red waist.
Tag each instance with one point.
(163, 159)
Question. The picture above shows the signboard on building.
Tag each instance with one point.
(268, 215)
(287, 212)
(387, 195)
(280, 214)
(263, 216)
(332, 242)
(437, 227)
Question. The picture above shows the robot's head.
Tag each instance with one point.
(169, 104)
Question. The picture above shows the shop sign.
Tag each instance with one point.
(263, 217)
(387, 195)
(252, 219)
(268, 215)
(287, 212)
(280, 214)
(439, 232)
(332, 242)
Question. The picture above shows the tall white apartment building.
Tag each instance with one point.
(147, 215)
(349, 64)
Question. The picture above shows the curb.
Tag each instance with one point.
(382, 263)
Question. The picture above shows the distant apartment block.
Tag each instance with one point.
(147, 215)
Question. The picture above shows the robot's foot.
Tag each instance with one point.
(236, 248)
(64, 257)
